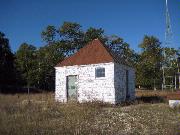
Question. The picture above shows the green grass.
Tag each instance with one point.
(43, 116)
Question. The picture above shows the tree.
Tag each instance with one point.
(93, 33)
(149, 66)
(71, 35)
(26, 64)
(7, 74)
(170, 58)
(122, 48)
(48, 57)
(49, 34)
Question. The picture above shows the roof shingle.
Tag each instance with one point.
(93, 53)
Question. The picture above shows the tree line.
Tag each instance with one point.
(33, 67)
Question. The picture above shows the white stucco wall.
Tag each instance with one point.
(111, 88)
(120, 82)
(89, 88)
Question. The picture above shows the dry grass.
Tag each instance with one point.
(44, 116)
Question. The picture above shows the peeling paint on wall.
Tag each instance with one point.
(111, 88)
(120, 82)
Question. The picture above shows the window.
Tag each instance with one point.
(100, 72)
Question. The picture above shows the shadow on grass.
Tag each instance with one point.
(145, 99)
(151, 99)
(139, 100)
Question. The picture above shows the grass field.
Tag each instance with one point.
(43, 116)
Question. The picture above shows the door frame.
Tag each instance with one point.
(67, 95)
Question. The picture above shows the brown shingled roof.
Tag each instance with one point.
(93, 53)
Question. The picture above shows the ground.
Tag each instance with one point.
(42, 115)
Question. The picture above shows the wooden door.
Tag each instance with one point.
(72, 87)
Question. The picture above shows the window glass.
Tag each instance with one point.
(100, 72)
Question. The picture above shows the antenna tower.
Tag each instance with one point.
(168, 78)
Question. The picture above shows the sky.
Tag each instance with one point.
(24, 20)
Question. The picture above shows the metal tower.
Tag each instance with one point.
(168, 32)
(168, 79)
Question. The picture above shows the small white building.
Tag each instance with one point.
(94, 73)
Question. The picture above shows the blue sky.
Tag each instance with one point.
(24, 20)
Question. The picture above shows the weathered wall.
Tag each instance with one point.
(111, 88)
(89, 87)
(132, 83)
(120, 82)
